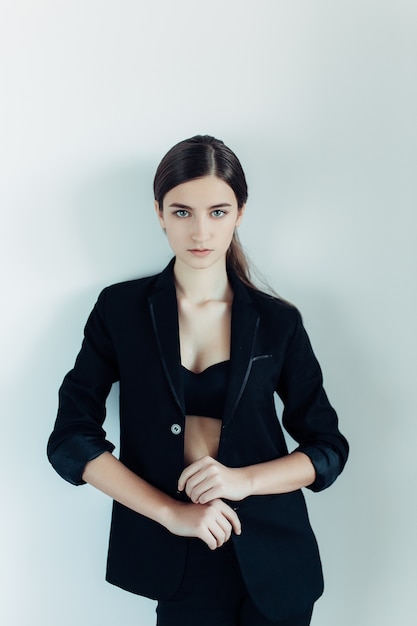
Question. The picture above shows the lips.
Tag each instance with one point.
(199, 251)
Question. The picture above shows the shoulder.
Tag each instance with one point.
(140, 287)
(126, 294)
(129, 287)
(282, 322)
(279, 321)
(264, 302)
(273, 309)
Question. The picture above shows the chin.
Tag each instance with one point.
(201, 263)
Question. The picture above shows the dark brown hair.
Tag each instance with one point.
(200, 156)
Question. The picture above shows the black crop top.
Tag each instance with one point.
(205, 393)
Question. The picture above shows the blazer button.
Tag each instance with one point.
(175, 429)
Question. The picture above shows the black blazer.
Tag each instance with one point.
(132, 336)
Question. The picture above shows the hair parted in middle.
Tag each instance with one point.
(200, 156)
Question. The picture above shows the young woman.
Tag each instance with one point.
(208, 516)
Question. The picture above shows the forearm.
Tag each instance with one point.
(282, 475)
(207, 479)
(213, 523)
(113, 478)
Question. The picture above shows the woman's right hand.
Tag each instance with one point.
(212, 522)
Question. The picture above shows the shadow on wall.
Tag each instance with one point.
(57, 534)
(114, 222)
(355, 520)
(111, 231)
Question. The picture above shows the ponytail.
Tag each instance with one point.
(237, 261)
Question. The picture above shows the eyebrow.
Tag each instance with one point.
(178, 205)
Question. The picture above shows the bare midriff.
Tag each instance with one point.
(205, 333)
(201, 437)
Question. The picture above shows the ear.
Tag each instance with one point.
(240, 214)
(159, 214)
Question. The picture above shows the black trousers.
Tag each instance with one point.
(213, 593)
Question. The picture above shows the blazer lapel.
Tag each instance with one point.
(164, 313)
(245, 321)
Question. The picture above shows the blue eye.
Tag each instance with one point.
(218, 213)
(182, 213)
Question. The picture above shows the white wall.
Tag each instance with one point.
(318, 99)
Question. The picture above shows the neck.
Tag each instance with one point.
(202, 285)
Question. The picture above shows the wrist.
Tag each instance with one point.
(247, 481)
(169, 512)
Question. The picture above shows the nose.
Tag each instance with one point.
(200, 230)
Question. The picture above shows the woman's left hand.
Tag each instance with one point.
(207, 479)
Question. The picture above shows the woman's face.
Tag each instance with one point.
(199, 218)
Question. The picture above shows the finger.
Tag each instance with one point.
(185, 475)
(220, 532)
(226, 527)
(207, 494)
(191, 470)
(195, 481)
(233, 518)
(207, 477)
(208, 489)
(213, 534)
(209, 539)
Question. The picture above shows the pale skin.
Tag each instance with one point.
(199, 218)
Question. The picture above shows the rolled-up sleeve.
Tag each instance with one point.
(78, 435)
(308, 415)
